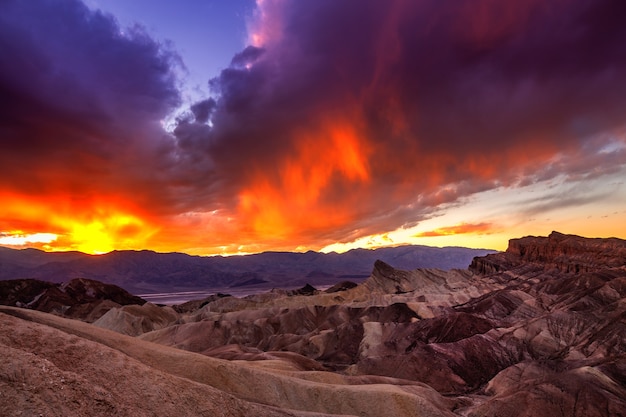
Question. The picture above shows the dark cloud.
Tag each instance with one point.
(436, 101)
(202, 110)
(82, 99)
(247, 57)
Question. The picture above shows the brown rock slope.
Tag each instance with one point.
(134, 320)
(56, 367)
(46, 371)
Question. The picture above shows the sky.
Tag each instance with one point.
(231, 127)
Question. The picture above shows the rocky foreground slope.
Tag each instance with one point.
(538, 330)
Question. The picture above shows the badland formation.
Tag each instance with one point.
(538, 330)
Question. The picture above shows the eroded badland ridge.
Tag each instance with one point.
(538, 330)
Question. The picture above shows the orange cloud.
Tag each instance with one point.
(460, 229)
(296, 199)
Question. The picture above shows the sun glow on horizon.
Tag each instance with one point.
(57, 224)
(283, 217)
(107, 234)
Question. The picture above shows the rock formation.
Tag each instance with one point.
(78, 298)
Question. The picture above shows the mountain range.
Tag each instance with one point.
(150, 272)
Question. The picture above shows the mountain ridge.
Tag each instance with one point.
(148, 271)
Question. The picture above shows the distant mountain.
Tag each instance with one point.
(148, 271)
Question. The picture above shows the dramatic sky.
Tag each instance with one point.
(213, 127)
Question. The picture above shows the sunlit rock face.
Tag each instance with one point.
(538, 330)
(566, 253)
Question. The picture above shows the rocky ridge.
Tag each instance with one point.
(80, 298)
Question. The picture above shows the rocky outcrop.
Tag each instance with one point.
(329, 335)
(341, 286)
(307, 289)
(78, 298)
(549, 302)
(530, 389)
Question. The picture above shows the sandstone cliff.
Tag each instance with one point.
(566, 253)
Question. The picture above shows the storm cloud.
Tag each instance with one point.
(339, 120)
(82, 100)
(425, 101)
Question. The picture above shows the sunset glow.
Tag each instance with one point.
(106, 234)
(328, 126)
(62, 226)
(19, 238)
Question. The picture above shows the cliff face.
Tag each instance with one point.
(565, 253)
(570, 253)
